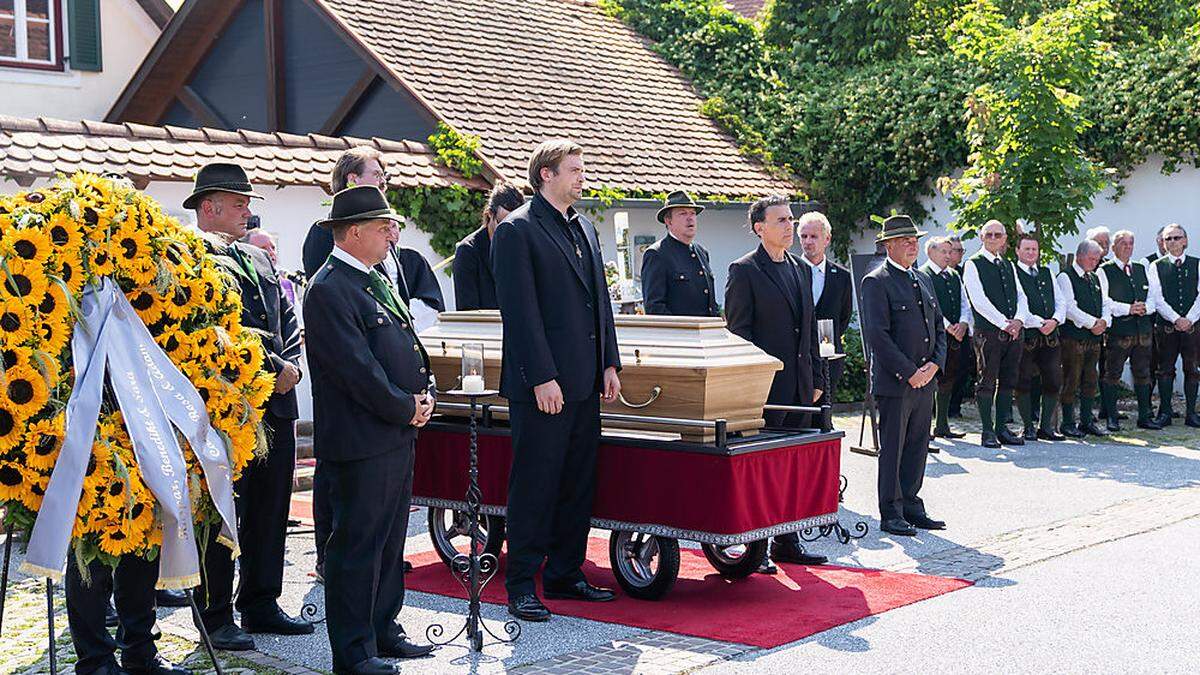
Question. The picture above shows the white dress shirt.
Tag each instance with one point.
(1122, 308)
(1060, 304)
(980, 304)
(341, 254)
(1160, 303)
(964, 315)
(1078, 316)
(818, 277)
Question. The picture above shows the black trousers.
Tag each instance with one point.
(322, 512)
(948, 376)
(1173, 345)
(904, 423)
(264, 494)
(1081, 374)
(1132, 348)
(132, 587)
(998, 357)
(364, 557)
(964, 379)
(1042, 358)
(550, 492)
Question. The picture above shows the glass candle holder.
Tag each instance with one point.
(472, 367)
(825, 338)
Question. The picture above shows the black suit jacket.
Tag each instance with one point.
(758, 309)
(366, 366)
(677, 280)
(474, 286)
(416, 278)
(552, 326)
(265, 307)
(901, 338)
(837, 299)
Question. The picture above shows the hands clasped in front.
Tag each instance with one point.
(550, 397)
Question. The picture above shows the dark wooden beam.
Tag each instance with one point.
(348, 102)
(273, 21)
(200, 108)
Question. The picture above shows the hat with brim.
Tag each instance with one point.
(220, 177)
(356, 204)
(895, 227)
(676, 200)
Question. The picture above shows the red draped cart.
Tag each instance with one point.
(730, 495)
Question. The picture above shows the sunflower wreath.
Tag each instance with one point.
(56, 240)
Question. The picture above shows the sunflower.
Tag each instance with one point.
(103, 262)
(16, 322)
(24, 279)
(32, 498)
(43, 442)
(64, 233)
(178, 304)
(174, 343)
(29, 244)
(116, 542)
(149, 304)
(134, 257)
(25, 389)
(14, 480)
(12, 425)
(69, 274)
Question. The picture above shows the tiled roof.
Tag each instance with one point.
(518, 72)
(747, 8)
(43, 147)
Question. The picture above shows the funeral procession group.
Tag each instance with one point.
(147, 433)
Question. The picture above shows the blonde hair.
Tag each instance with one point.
(548, 155)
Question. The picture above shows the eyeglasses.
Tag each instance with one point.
(995, 235)
(1177, 237)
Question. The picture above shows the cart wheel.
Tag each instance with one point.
(738, 561)
(449, 530)
(646, 566)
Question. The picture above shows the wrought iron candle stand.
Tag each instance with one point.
(473, 569)
(836, 529)
(8, 542)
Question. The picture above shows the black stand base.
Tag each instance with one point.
(212, 654)
(811, 534)
(8, 542)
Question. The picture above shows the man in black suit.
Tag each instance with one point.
(560, 359)
(676, 278)
(832, 290)
(768, 301)
(903, 327)
(474, 286)
(221, 200)
(370, 395)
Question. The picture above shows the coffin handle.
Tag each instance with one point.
(654, 394)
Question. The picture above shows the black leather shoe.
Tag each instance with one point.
(277, 623)
(796, 555)
(1163, 420)
(110, 669)
(371, 666)
(1072, 431)
(111, 620)
(1030, 434)
(989, 440)
(528, 608)
(1193, 420)
(767, 567)
(1092, 429)
(948, 433)
(1007, 437)
(1112, 424)
(156, 666)
(898, 526)
(408, 568)
(580, 590)
(165, 598)
(230, 638)
(1150, 424)
(1050, 435)
(400, 648)
(924, 522)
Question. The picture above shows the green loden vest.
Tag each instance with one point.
(948, 292)
(1128, 289)
(1178, 283)
(999, 285)
(1089, 299)
(1039, 290)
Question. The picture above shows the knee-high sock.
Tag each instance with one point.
(1025, 405)
(1143, 399)
(1047, 418)
(985, 413)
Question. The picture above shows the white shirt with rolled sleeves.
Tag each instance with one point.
(965, 315)
(1060, 304)
(980, 304)
(1122, 308)
(1160, 303)
(1078, 316)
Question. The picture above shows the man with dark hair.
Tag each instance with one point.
(1041, 344)
(1089, 314)
(474, 286)
(956, 315)
(221, 200)
(1160, 249)
(768, 301)
(371, 392)
(1177, 278)
(832, 290)
(560, 360)
(904, 329)
(999, 306)
(964, 380)
(1131, 293)
(676, 278)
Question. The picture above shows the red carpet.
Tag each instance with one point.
(763, 611)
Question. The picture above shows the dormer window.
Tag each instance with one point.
(31, 34)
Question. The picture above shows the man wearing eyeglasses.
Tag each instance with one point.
(964, 377)
(956, 318)
(1178, 304)
(1000, 307)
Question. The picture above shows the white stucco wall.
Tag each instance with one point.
(127, 34)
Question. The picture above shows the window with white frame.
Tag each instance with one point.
(31, 33)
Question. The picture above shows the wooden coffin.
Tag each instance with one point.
(677, 367)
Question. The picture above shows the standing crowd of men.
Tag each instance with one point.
(1054, 342)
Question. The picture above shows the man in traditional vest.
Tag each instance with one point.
(1088, 316)
(956, 318)
(964, 385)
(676, 277)
(1159, 251)
(999, 306)
(1177, 278)
(1131, 297)
(1041, 344)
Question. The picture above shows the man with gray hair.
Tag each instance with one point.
(1177, 278)
(1102, 236)
(832, 291)
(956, 320)
(1131, 292)
(1089, 314)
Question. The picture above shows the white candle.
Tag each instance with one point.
(472, 384)
(827, 350)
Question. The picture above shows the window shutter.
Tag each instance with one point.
(84, 31)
